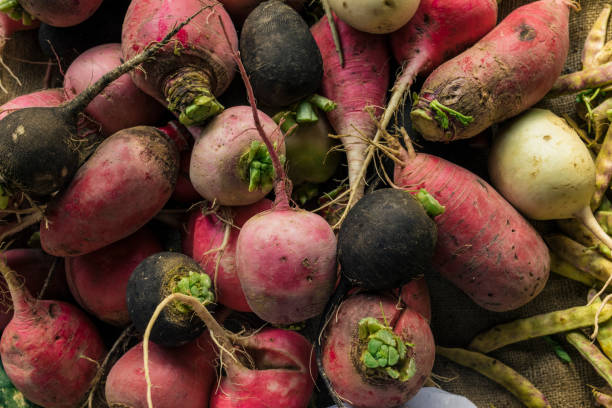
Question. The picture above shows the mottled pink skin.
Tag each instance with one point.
(272, 383)
(441, 29)
(125, 183)
(44, 98)
(180, 377)
(47, 351)
(240, 9)
(286, 263)
(98, 280)
(216, 153)
(61, 13)
(485, 247)
(362, 82)
(205, 233)
(121, 104)
(506, 72)
(201, 42)
(341, 360)
(415, 296)
(33, 265)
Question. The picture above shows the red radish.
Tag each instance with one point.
(50, 349)
(125, 182)
(188, 73)
(121, 105)
(349, 337)
(282, 377)
(361, 82)
(180, 377)
(60, 13)
(439, 29)
(98, 280)
(35, 267)
(46, 97)
(211, 240)
(229, 164)
(485, 247)
(415, 296)
(506, 72)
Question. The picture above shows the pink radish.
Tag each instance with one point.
(180, 377)
(211, 241)
(60, 13)
(282, 377)
(124, 184)
(50, 349)
(35, 267)
(98, 280)
(229, 165)
(46, 97)
(121, 105)
(361, 82)
(438, 30)
(189, 72)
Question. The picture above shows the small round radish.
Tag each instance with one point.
(60, 13)
(375, 16)
(229, 163)
(157, 277)
(50, 349)
(386, 240)
(541, 166)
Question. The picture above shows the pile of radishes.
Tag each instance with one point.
(228, 181)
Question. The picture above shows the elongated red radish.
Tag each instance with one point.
(503, 74)
(438, 30)
(229, 164)
(282, 377)
(210, 239)
(360, 83)
(121, 105)
(188, 73)
(180, 377)
(35, 268)
(485, 247)
(125, 182)
(50, 349)
(98, 280)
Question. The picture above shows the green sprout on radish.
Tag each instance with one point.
(256, 166)
(442, 113)
(198, 285)
(386, 353)
(14, 10)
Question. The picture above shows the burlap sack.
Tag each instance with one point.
(456, 319)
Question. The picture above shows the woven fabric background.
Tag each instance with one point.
(456, 319)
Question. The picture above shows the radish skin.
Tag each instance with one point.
(360, 83)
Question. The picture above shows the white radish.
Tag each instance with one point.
(375, 16)
(540, 165)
